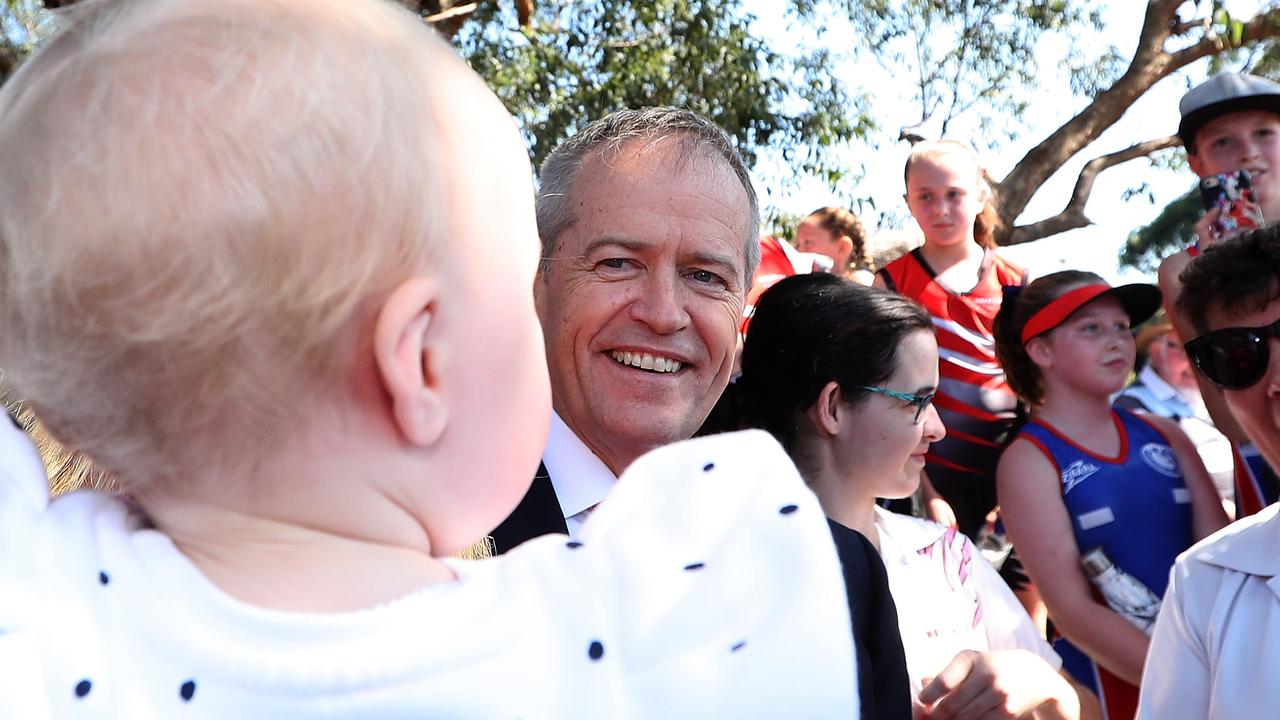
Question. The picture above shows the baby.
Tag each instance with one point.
(246, 265)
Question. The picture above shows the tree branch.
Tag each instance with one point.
(1150, 64)
(1264, 25)
(1073, 215)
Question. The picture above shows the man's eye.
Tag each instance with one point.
(614, 263)
(706, 277)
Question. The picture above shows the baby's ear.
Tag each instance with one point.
(410, 353)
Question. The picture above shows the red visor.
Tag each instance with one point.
(1052, 315)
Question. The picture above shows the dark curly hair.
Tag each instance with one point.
(1240, 274)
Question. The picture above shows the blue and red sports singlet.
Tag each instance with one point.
(1134, 506)
(973, 399)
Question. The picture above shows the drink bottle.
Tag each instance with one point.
(1123, 592)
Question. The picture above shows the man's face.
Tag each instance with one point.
(1248, 140)
(641, 304)
(1257, 407)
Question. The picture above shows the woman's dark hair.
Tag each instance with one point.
(808, 330)
(1020, 372)
(841, 222)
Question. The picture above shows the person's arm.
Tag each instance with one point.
(1038, 523)
(1214, 401)
(1207, 514)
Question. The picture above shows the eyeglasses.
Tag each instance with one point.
(919, 402)
(1234, 358)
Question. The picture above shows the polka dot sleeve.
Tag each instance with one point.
(716, 566)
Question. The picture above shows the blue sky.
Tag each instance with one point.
(1094, 248)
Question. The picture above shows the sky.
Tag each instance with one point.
(1093, 248)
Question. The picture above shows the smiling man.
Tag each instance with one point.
(648, 223)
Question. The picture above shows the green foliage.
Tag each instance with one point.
(24, 24)
(1172, 230)
(581, 60)
(970, 55)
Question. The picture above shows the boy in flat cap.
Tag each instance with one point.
(1230, 122)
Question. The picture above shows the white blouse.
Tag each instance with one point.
(949, 598)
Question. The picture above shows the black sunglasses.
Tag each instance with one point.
(1234, 358)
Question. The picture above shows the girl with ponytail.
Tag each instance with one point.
(1082, 476)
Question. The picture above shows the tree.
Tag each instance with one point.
(1172, 230)
(966, 55)
(578, 60)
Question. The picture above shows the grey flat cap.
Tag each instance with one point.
(1223, 94)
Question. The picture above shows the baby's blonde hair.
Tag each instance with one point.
(202, 203)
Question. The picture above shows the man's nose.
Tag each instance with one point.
(661, 303)
(1272, 378)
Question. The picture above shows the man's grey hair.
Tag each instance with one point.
(700, 138)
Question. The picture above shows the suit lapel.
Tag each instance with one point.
(537, 514)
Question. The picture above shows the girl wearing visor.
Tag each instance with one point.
(1098, 501)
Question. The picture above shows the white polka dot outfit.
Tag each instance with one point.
(705, 586)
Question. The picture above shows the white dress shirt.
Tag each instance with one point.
(1215, 652)
(581, 480)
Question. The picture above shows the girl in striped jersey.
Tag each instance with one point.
(957, 276)
(1083, 475)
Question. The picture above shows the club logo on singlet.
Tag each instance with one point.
(1160, 457)
(1076, 473)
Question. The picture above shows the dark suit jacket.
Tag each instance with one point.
(882, 664)
(537, 514)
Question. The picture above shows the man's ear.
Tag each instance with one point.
(409, 353)
(826, 413)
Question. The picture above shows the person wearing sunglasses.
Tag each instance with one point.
(1082, 475)
(1215, 652)
(844, 377)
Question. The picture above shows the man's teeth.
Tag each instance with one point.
(645, 361)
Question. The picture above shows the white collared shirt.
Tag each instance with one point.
(1215, 652)
(581, 480)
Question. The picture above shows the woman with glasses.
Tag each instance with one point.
(844, 377)
(1082, 476)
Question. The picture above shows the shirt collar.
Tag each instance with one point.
(1158, 386)
(906, 534)
(581, 480)
(1247, 546)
